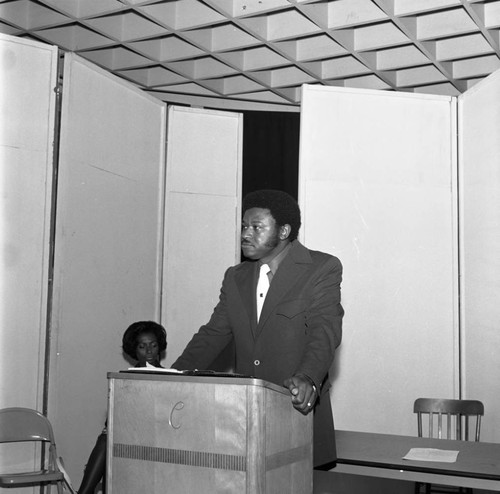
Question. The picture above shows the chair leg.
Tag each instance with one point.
(421, 485)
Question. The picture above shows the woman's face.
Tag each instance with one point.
(147, 350)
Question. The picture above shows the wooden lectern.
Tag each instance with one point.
(182, 434)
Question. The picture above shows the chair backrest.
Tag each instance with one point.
(456, 414)
(39, 461)
(24, 424)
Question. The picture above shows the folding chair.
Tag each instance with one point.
(24, 425)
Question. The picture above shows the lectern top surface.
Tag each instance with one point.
(145, 373)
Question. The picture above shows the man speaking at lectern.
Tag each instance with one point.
(281, 307)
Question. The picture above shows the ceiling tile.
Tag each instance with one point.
(491, 14)
(366, 82)
(446, 23)
(74, 37)
(85, 8)
(166, 48)
(278, 26)
(402, 56)
(470, 45)
(221, 37)
(187, 14)
(262, 51)
(341, 67)
(126, 26)
(408, 7)
(345, 13)
(283, 77)
(30, 15)
(443, 89)
(202, 68)
(232, 85)
(254, 58)
(419, 76)
(264, 96)
(189, 88)
(378, 36)
(474, 67)
(116, 58)
(311, 48)
(239, 8)
(153, 76)
(9, 29)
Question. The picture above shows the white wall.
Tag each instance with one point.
(479, 112)
(27, 103)
(28, 76)
(202, 221)
(377, 188)
(109, 244)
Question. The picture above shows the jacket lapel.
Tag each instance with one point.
(291, 268)
(246, 280)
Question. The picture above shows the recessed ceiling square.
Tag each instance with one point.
(221, 37)
(126, 26)
(74, 37)
(30, 15)
(115, 58)
(281, 25)
(166, 48)
(186, 14)
(85, 8)
(311, 48)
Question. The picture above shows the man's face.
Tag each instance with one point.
(259, 235)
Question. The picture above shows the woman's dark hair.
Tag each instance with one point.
(129, 342)
(283, 207)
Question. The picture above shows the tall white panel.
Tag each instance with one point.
(377, 188)
(28, 80)
(202, 220)
(479, 123)
(109, 243)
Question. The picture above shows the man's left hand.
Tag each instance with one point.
(303, 393)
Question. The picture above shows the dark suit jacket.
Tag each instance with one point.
(299, 328)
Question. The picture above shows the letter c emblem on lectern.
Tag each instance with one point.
(178, 406)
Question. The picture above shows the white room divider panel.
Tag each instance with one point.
(27, 110)
(27, 102)
(479, 117)
(109, 243)
(202, 216)
(377, 188)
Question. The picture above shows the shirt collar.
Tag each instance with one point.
(275, 261)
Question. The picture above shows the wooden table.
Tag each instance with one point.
(381, 455)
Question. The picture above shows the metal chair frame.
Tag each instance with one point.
(26, 425)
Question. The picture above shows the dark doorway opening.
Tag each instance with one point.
(271, 151)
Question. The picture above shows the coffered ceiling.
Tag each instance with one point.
(264, 50)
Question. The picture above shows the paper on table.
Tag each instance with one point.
(152, 368)
(430, 454)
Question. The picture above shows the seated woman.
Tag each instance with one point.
(145, 343)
